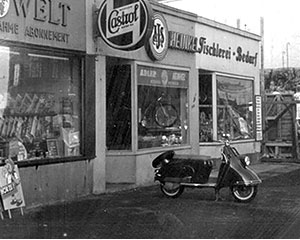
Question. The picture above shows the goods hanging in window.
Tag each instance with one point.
(235, 107)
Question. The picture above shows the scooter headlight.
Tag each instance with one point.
(247, 161)
(166, 161)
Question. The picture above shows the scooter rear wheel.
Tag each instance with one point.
(243, 193)
(172, 190)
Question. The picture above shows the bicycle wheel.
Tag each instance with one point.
(166, 115)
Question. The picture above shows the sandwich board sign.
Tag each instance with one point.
(11, 187)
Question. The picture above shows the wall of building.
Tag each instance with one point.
(48, 184)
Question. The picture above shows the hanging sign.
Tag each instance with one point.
(10, 186)
(124, 25)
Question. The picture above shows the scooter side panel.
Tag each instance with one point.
(178, 170)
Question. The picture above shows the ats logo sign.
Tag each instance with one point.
(157, 45)
(125, 24)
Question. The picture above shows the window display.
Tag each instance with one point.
(162, 107)
(234, 107)
(205, 108)
(40, 104)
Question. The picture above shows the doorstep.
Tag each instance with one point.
(116, 187)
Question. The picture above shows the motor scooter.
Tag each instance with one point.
(175, 172)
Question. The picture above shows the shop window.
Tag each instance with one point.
(162, 107)
(234, 107)
(205, 108)
(40, 108)
(118, 105)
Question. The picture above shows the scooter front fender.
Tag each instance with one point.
(245, 176)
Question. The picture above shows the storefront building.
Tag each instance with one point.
(178, 91)
(47, 98)
(93, 91)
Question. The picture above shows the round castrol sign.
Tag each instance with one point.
(125, 25)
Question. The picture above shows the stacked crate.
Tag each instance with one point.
(280, 120)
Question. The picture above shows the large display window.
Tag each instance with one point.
(162, 107)
(232, 105)
(40, 104)
(235, 110)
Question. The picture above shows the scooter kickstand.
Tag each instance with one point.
(218, 197)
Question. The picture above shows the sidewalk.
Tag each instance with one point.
(263, 169)
(269, 169)
(272, 169)
(100, 215)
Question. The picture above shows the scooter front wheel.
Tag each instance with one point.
(243, 193)
(172, 190)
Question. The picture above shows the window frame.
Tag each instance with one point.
(87, 98)
(135, 107)
(215, 102)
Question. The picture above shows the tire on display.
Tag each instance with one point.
(243, 193)
(166, 115)
(172, 190)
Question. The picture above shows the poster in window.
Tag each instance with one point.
(10, 186)
(298, 111)
(52, 146)
(16, 74)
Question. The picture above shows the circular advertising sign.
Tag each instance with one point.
(124, 25)
(157, 46)
(4, 6)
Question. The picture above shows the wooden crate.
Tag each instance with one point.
(283, 129)
(279, 149)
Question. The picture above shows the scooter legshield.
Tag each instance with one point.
(245, 175)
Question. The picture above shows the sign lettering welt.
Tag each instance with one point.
(44, 10)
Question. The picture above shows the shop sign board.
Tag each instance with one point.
(162, 77)
(124, 25)
(215, 49)
(10, 186)
(157, 45)
(258, 110)
(44, 22)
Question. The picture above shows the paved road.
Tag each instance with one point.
(146, 213)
